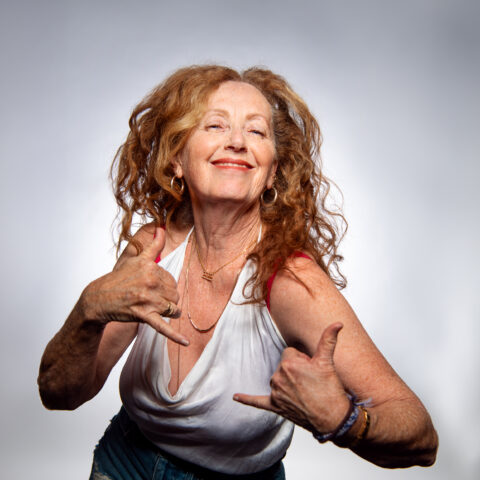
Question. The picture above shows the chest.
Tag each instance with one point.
(203, 303)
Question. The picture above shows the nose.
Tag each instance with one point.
(236, 141)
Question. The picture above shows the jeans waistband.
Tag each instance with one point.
(127, 425)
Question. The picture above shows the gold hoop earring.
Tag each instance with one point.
(175, 187)
(271, 202)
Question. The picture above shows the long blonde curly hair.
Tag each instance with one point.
(299, 219)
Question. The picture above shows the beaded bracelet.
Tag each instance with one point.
(347, 423)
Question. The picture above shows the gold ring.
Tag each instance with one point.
(169, 310)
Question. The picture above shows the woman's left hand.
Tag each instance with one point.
(306, 390)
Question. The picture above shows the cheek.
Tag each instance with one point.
(264, 152)
(197, 151)
(190, 159)
(269, 159)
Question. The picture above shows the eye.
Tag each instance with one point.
(214, 126)
(261, 133)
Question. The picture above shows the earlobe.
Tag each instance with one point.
(273, 174)
(177, 167)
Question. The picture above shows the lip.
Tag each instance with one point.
(231, 163)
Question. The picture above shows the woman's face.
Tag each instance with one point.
(230, 155)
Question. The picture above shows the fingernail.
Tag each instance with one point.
(235, 397)
(185, 342)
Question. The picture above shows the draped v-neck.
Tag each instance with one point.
(213, 338)
(202, 423)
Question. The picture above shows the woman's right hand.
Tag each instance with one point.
(137, 290)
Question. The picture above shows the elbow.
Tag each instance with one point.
(428, 454)
(52, 401)
(55, 398)
(421, 452)
(426, 445)
(60, 391)
(413, 458)
(421, 457)
(415, 446)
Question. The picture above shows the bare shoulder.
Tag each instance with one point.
(302, 315)
(304, 290)
(174, 237)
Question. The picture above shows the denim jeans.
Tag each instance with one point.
(124, 453)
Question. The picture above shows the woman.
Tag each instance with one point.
(237, 326)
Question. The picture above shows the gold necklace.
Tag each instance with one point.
(206, 275)
(179, 331)
(198, 329)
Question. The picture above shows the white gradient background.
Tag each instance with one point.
(395, 86)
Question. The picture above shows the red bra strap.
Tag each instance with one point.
(274, 274)
(154, 235)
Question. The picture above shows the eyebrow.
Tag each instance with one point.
(249, 116)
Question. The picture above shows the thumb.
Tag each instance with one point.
(153, 251)
(327, 343)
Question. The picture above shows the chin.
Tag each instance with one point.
(230, 196)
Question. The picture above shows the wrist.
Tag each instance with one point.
(359, 430)
(86, 310)
(352, 430)
(341, 427)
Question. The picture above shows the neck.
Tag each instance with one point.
(222, 233)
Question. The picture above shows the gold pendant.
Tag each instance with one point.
(207, 276)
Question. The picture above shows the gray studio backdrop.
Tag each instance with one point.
(395, 88)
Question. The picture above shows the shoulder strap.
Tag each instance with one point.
(154, 235)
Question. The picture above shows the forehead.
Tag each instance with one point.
(233, 96)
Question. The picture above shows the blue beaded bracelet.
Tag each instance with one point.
(344, 426)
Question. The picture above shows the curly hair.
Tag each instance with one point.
(298, 220)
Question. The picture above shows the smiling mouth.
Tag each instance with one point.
(229, 163)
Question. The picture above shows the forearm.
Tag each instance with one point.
(401, 434)
(67, 376)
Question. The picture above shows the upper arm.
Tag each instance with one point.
(116, 338)
(302, 316)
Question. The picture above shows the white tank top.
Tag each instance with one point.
(201, 423)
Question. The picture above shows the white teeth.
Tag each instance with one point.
(228, 164)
